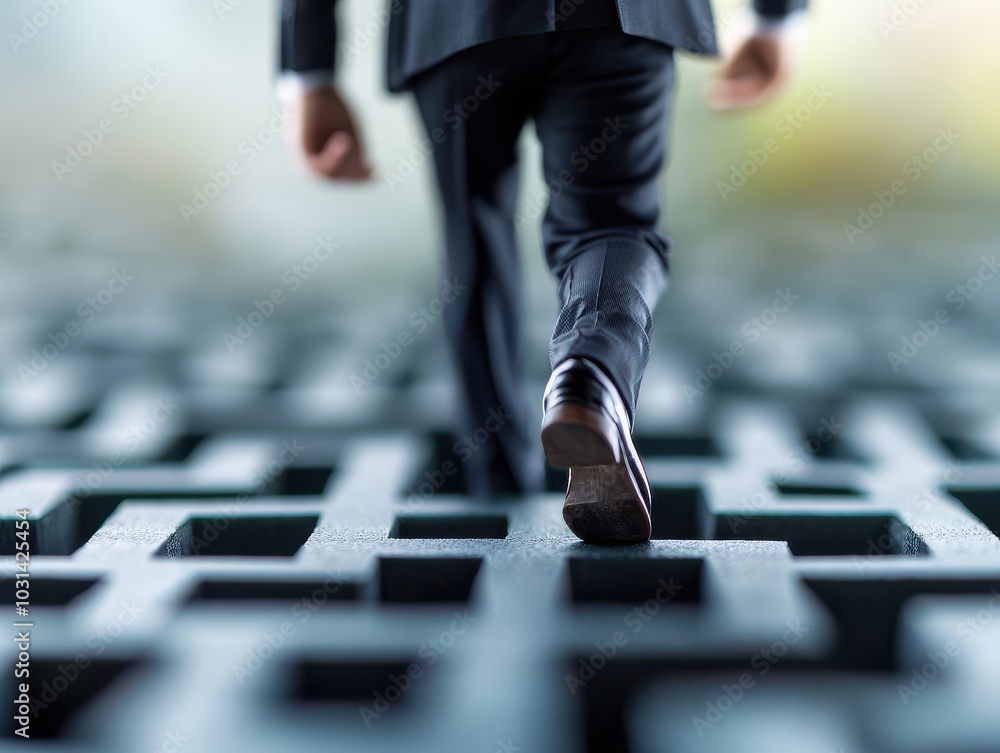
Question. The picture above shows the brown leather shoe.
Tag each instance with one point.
(586, 429)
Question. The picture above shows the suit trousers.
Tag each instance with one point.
(600, 103)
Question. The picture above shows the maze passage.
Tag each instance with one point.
(282, 562)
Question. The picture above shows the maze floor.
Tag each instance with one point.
(238, 551)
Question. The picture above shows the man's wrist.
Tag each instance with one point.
(293, 85)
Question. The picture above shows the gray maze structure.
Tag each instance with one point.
(277, 562)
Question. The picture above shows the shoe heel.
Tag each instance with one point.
(576, 436)
(603, 506)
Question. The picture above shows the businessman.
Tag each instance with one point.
(595, 77)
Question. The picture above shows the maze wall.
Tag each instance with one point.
(237, 551)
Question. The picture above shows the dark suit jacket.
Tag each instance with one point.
(425, 32)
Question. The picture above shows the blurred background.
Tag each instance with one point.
(880, 81)
(836, 249)
(890, 75)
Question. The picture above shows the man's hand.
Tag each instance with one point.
(327, 136)
(755, 72)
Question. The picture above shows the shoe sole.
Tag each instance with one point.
(603, 502)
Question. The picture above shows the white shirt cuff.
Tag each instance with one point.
(777, 24)
(293, 84)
